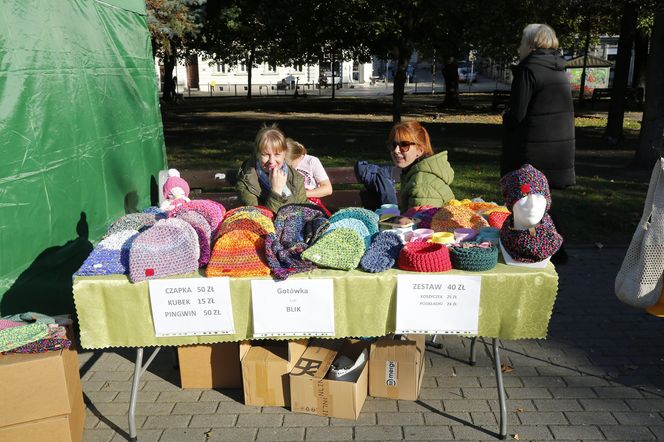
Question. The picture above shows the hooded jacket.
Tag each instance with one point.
(539, 124)
(427, 182)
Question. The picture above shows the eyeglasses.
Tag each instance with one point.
(404, 146)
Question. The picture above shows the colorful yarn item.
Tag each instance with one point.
(424, 257)
(253, 221)
(474, 256)
(110, 256)
(212, 211)
(522, 182)
(261, 209)
(132, 221)
(424, 213)
(369, 218)
(351, 223)
(450, 218)
(14, 337)
(382, 253)
(532, 245)
(496, 219)
(238, 253)
(443, 238)
(203, 232)
(341, 249)
(465, 234)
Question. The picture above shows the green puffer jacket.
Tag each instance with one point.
(427, 182)
(252, 194)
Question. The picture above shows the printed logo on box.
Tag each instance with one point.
(391, 373)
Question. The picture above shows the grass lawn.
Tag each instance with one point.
(604, 206)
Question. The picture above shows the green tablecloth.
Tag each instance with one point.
(515, 303)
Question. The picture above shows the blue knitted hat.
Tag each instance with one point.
(354, 224)
(383, 252)
(110, 256)
(369, 218)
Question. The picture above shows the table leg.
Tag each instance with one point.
(473, 352)
(501, 389)
(139, 369)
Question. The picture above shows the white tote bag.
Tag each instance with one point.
(639, 280)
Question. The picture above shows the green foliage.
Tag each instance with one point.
(172, 23)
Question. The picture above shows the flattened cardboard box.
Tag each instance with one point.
(210, 365)
(40, 392)
(312, 393)
(396, 367)
(265, 368)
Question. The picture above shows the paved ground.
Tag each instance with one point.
(599, 376)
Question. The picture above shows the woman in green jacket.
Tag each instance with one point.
(266, 179)
(425, 176)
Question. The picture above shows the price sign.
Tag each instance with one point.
(191, 306)
(438, 304)
(297, 307)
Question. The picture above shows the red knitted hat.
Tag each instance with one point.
(496, 219)
(424, 257)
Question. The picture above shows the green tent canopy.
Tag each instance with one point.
(81, 139)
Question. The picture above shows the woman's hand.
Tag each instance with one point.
(278, 180)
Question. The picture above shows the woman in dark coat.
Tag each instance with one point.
(539, 124)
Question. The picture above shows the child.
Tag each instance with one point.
(316, 181)
(266, 179)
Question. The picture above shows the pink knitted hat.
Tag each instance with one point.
(170, 247)
(174, 180)
(424, 257)
(203, 231)
(212, 211)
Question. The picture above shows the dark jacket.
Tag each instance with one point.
(252, 194)
(427, 182)
(539, 124)
(378, 181)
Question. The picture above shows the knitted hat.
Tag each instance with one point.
(474, 256)
(351, 223)
(203, 231)
(341, 249)
(170, 247)
(238, 253)
(496, 219)
(522, 182)
(297, 226)
(449, 218)
(424, 257)
(110, 256)
(212, 211)
(253, 221)
(383, 252)
(532, 245)
(369, 218)
(174, 181)
(424, 214)
(159, 214)
(264, 210)
(132, 221)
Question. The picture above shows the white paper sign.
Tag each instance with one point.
(191, 306)
(296, 307)
(438, 304)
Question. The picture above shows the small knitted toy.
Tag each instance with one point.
(110, 256)
(424, 257)
(170, 247)
(449, 218)
(383, 252)
(175, 191)
(341, 249)
(238, 253)
(212, 211)
(369, 218)
(522, 182)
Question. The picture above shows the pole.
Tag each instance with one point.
(433, 75)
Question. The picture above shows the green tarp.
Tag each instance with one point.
(80, 135)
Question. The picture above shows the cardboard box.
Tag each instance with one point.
(210, 365)
(312, 393)
(265, 368)
(41, 394)
(396, 367)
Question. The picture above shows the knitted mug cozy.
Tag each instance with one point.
(532, 245)
(474, 256)
(464, 234)
(132, 221)
(341, 249)
(170, 247)
(369, 218)
(424, 257)
(449, 218)
(496, 219)
(238, 253)
(110, 256)
(203, 231)
(382, 253)
(212, 211)
(522, 182)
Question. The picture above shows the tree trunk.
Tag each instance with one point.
(399, 83)
(169, 65)
(652, 127)
(582, 86)
(334, 84)
(250, 65)
(614, 125)
(640, 59)
(451, 75)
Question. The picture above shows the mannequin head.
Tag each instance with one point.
(529, 211)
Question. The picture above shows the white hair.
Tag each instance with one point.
(539, 36)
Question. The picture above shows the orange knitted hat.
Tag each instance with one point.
(238, 253)
(496, 219)
(449, 218)
(253, 221)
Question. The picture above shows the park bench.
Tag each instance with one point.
(500, 98)
(632, 94)
(220, 186)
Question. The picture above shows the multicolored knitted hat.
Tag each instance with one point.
(264, 210)
(170, 247)
(383, 252)
(238, 253)
(203, 231)
(341, 249)
(351, 223)
(496, 219)
(297, 226)
(253, 221)
(212, 211)
(532, 245)
(522, 182)
(369, 218)
(159, 214)
(14, 337)
(424, 257)
(424, 214)
(110, 256)
(449, 218)
(132, 221)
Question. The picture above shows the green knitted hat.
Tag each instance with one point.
(340, 249)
